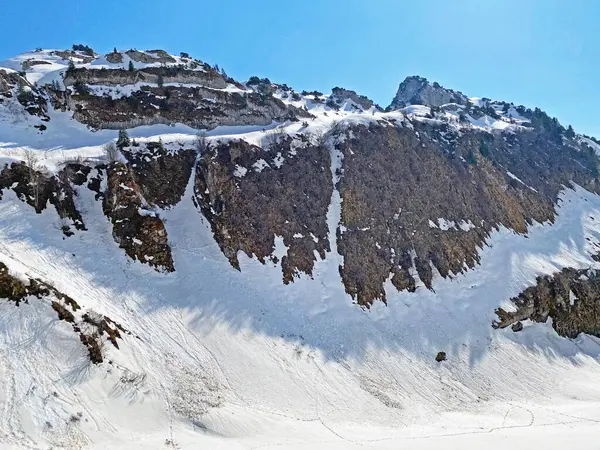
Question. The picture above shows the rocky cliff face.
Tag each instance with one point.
(419, 91)
(119, 98)
(571, 298)
(411, 199)
(138, 230)
(38, 189)
(161, 175)
(253, 196)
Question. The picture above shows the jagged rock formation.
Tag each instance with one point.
(28, 95)
(37, 190)
(139, 231)
(250, 196)
(208, 78)
(340, 94)
(571, 298)
(418, 91)
(161, 175)
(150, 56)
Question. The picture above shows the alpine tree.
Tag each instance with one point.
(71, 67)
(123, 139)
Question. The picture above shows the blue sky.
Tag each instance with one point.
(542, 53)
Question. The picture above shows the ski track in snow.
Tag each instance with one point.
(226, 359)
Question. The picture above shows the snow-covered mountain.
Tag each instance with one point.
(189, 261)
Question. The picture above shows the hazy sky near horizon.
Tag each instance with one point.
(542, 53)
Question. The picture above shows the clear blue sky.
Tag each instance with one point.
(542, 53)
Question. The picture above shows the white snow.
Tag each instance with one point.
(514, 177)
(260, 165)
(445, 224)
(590, 143)
(239, 171)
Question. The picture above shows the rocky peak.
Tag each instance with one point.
(415, 90)
(340, 94)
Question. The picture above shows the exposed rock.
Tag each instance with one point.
(92, 342)
(340, 94)
(418, 91)
(251, 195)
(441, 356)
(516, 327)
(140, 232)
(11, 288)
(124, 77)
(114, 57)
(162, 176)
(412, 199)
(204, 106)
(29, 96)
(36, 189)
(150, 56)
(571, 298)
(104, 324)
(63, 313)
(16, 290)
(74, 55)
(29, 63)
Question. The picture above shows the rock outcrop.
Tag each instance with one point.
(13, 85)
(417, 90)
(37, 189)
(422, 197)
(138, 230)
(339, 94)
(571, 298)
(252, 195)
(167, 95)
(161, 175)
(91, 327)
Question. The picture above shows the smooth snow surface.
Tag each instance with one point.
(223, 359)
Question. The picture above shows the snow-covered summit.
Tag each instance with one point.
(41, 66)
